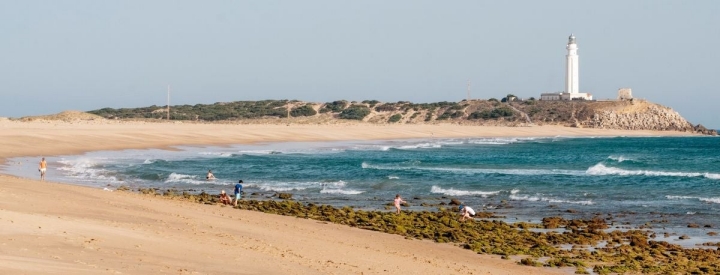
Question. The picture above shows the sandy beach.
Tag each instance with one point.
(51, 228)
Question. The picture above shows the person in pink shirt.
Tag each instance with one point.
(398, 201)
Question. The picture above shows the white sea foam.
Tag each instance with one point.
(670, 197)
(497, 141)
(366, 165)
(620, 158)
(189, 179)
(550, 200)
(704, 199)
(690, 213)
(713, 200)
(457, 192)
(514, 191)
(86, 169)
(294, 186)
(602, 170)
(393, 177)
(148, 161)
(218, 154)
(420, 146)
(341, 191)
(281, 189)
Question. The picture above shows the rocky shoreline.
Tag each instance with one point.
(583, 244)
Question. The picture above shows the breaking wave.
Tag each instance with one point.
(456, 192)
(602, 170)
(189, 179)
(704, 199)
(366, 165)
(550, 200)
(620, 158)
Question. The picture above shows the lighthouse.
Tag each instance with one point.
(572, 85)
(572, 79)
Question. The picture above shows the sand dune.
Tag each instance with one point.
(51, 228)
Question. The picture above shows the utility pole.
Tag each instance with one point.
(468, 91)
(168, 103)
(288, 112)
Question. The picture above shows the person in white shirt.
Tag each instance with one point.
(210, 175)
(466, 212)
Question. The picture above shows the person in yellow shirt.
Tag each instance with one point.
(42, 169)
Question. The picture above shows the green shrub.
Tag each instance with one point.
(371, 103)
(306, 110)
(395, 118)
(357, 112)
(387, 107)
(503, 111)
(334, 107)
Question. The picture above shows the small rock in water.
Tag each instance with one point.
(684, 237)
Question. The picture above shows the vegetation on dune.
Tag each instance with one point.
(305, 110)
(395, 118)
(334, 107)
(510, 111)
(357, 112)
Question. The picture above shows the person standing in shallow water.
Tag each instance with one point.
(42, 169)
(210, 175)
(398, 201)
(238, 191)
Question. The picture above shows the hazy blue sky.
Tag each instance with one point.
(85, 55)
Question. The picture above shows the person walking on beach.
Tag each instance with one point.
(398, 201)
(238, 191)
(466, 212)
(210, 175)
(42, 169)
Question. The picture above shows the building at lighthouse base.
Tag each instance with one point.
(566, 96)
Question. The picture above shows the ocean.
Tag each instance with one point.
(664, 183)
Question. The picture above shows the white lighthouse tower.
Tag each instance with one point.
(572, 79)
(572, 85)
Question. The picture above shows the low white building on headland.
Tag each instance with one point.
(572, 78)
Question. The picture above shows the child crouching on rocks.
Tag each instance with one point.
(466, 212)
(224, 198)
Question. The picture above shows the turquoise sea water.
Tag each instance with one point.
(664, 181)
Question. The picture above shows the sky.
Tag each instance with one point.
(87, 55)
